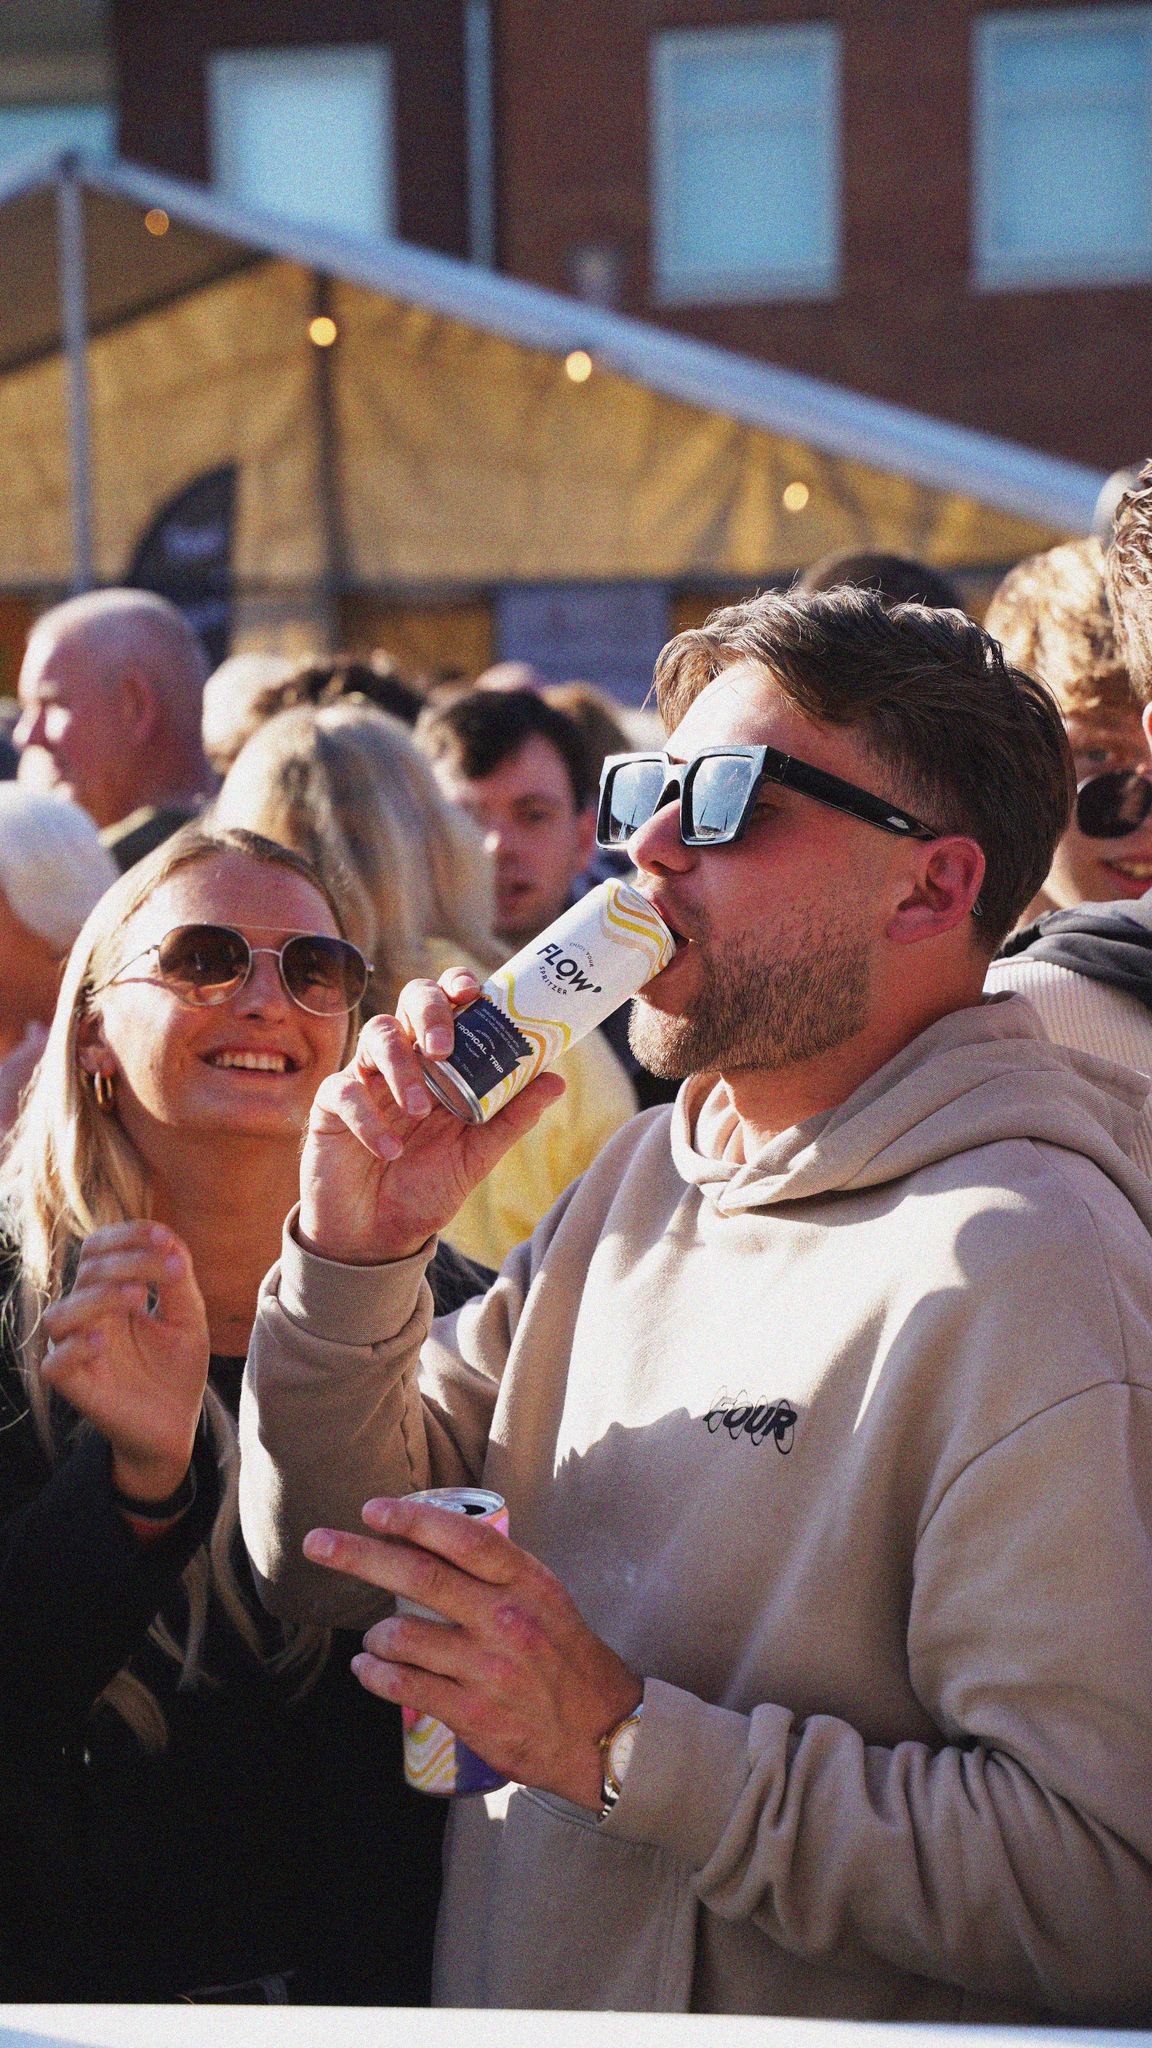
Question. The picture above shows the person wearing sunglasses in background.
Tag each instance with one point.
(1052, 618)
(818, 1653)
(194, 1803)
(1083, 952)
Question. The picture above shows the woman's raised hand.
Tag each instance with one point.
(129, 1350)
(385, 1167)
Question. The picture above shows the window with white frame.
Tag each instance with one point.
(746, 162)
(306, 133)
(1063, 146)
(39, 128)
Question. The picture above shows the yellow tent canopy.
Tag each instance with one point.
(152, 330)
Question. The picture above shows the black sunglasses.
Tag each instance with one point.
(204, 964)
(1112, 805)
(717, 789)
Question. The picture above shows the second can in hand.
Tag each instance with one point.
(435, 1760)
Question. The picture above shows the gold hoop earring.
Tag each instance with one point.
(103, 1090)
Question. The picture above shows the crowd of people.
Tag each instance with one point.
(802, 1317)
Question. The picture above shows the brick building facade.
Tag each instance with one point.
(829, 185)
(162, 59)
(1061, 365)
(1067, 369)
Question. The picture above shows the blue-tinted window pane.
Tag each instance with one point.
(1068, 63)
(1073, 186)
(306, 134)
(1064, 145)
(773, 215)
(745, 161)
(767, 85)
(36, 131)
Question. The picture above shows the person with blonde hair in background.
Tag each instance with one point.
(1052, 618)
(193, 1802)
(53, 869)
(346, 787)
(1083, 952)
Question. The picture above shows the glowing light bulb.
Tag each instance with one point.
(156, 221)
(322, 331)
(579, 365)
(795, 497)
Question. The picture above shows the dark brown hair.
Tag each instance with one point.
(898, 579)
(1128, 569)
(378, 681)
(959, 738)
(480, 730)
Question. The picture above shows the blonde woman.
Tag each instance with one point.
(194, 1802)
(346, 787)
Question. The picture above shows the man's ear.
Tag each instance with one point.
(1146, 721)
(947, 884)
(586, 833)
(137, 707)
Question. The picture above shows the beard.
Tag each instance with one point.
(753, 1011)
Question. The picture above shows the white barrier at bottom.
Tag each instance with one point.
(249, 2026)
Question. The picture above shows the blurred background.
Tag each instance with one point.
(498, 330)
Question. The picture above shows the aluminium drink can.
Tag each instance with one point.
(549, 996)
(435, 1760)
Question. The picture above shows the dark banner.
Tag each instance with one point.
(603, 633)
(186, 555)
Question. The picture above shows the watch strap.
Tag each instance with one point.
(609, 1784)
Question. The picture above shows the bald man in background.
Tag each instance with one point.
(110, 692)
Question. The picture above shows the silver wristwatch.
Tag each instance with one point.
(615, 1756)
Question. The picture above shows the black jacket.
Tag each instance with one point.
(270, 1851)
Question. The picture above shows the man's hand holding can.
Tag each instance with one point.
(520, 1677)
(384, 1166)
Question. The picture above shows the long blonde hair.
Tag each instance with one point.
(345, 787)
(70, 1169)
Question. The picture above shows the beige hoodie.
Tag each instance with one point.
(848, 1450)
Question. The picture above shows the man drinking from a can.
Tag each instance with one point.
(816, 1659)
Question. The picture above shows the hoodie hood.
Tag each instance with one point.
(980, 1076)
(1109, 942)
